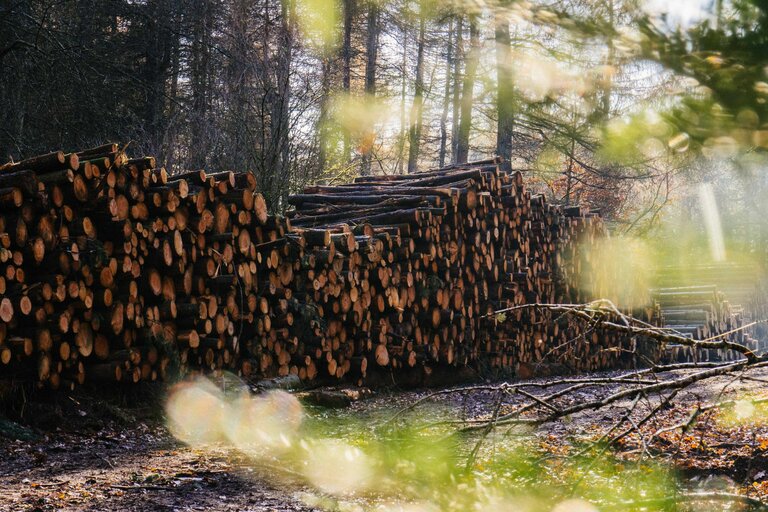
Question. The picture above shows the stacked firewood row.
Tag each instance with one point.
(408, 270)
(721, 300)
(700, 313)
(115, 271)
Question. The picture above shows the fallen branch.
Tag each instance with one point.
(601, 309)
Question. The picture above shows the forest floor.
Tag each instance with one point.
(90, 455)
(135, 466)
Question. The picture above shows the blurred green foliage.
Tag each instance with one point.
(726, 56)
(354, 460)
(425, 470)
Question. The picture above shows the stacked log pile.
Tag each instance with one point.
(114, 271)
(407, 271)
(713, 300)
(50, 287)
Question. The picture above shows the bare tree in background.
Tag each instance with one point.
(505, 96)
(371, 55)
(238, 84)
(468, 86)
(417, 109)
(449, 58)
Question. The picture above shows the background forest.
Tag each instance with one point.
(610, 103)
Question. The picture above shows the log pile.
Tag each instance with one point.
(115, 272)
(712, 300)
(407, 271)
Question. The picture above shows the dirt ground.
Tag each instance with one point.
(97, 457)
(93, 456)
(135, 469)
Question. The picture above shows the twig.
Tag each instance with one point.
(620, 395)
(473, 454)
(53, 484)
(586, 471)
(698, 411)
(588, 312)
(435, 394)
(538, 400)
(142, 487)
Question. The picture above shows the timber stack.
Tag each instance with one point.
(115, 271)
(722, 300)
(407, 272)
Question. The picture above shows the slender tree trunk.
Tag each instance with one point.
(346, 47)
(601, 97)
(505, 91)
(322, 120)
(169, 154)
(403, 87)
(239, 87)
(569, 175)
(371, 54)
(154, 75)
(371, 47)
(467, 98)
(346, 58)
(265, 157)
(283, 100)
(199, 82)
(456, 113)
(718, 13)
(446, 96)
(414, 132)
(610, 64)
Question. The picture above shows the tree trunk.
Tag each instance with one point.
(457, 88)
(266, 110)
(161, 14)
(467, 98)
(608, 80)
(168, 158)
(569, 175)
(282, 104)
(239, 87)
(403, 82)
(322, 120)
(371, 53)
(346, 58)
(601, 98)
(505, 91)
(446, 96)
(414, 132)
(199, 82)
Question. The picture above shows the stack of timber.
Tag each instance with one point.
(713, 300)
(407, 270)
(113, 271)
